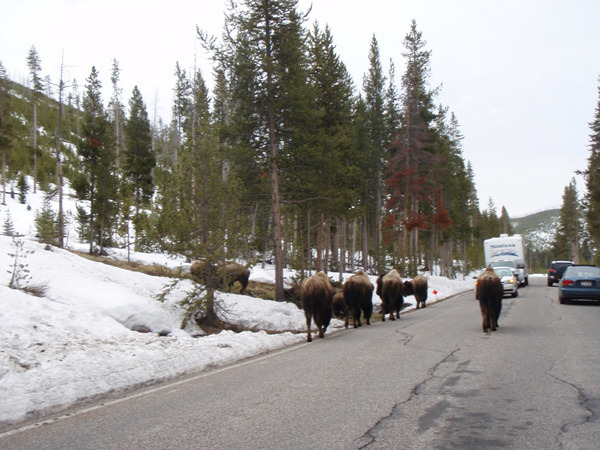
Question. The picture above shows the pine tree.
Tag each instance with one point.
(139, 160)
(264, 57)
(325, 169)
(592, 178)
(505, 225)
(116, 111)
(568, 235)
(8, 227)
(37, 88)
(97, 152)
(23, 188)
(181, 107)
(408, 178)
(200, 208)
(374, 88)
(46, 224)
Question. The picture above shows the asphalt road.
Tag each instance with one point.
(430, 380)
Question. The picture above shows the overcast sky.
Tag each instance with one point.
(520, 75)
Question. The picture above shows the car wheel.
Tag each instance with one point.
(526, 281)
(550, 283)
(515, 294)
(562, 300)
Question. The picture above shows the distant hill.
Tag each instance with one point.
(538, 229)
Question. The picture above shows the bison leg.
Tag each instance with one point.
(486, 318)
(356, 317)
(322, 331)
(383, 313)
(367, 312)
(308, 320)
(494, 319)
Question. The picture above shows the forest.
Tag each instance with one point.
(286, 161)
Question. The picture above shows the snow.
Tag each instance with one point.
(78, 341)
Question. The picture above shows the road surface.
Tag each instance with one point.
(430, 380)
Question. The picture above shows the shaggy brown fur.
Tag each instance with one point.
(340, 310)
(225, 275)
(317, 295)
(417, 287)
(389, 289)
(489, 292)
(358, 295)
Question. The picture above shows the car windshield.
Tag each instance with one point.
(503, 271)
(558, 266)
(583, 272)
(503, 264)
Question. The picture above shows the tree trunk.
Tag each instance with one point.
(327, 243)
(308, 244)
(365, 247)
(4, 177)
(59, 181)
(277, 250)
(34, 142)
(319, 267)
(353, 250)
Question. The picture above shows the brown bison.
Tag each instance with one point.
(358, 295)
(226, 274)
(489, 292)
(417, 287)
(340, 309)
(389, 289)
(317, 295)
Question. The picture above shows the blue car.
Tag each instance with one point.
(579, 282)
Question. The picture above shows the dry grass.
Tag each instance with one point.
(154, 270)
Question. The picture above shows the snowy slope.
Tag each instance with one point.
(77, 342)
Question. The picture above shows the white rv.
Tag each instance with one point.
(507, 248)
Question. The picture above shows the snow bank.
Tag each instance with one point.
(78, 341)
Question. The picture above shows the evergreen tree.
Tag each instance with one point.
(199, 208)
(116, 111)
(46, 224)
(97, 151)
(181, 107)
(324, 169)
(375, 95)
(5, 125)
(8, 227)
(505, 225)
(264, 56)
(592, 178)
(392, 108)
(139, 159)
(37, 88)
(568, 235)
(23, 188)
(408, 177)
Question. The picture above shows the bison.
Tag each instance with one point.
(316, 293)
(340, 309)
(389, 289)
(489, 292)
(226, 274)
(358, 295)
(417, 287)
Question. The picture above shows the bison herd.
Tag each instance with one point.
(320, 301)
